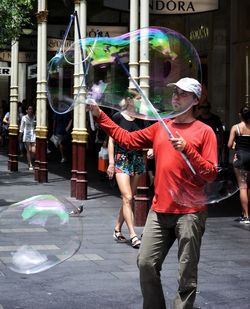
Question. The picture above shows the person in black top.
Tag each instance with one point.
(214, 121)
(127, 165)
(239, 140)
(62, 125)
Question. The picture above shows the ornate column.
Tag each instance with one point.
(79, 134)
(75, 116)
(141, 200)
(144, 48)
(41, 169)
(13, 128)
(133, 48)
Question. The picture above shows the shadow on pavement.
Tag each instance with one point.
(229, 207)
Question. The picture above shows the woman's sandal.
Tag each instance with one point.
(135, 242)
(119, 237)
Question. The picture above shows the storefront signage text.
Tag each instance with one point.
(57, 31)
(5, 71)
(199, 34)
(25, 57)
(56, 34)
(169, 7)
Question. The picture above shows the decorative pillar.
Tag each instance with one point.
(81, 175)
(41, 164)
(79, 133)
(144, 48)
(75, 115)
(141, 199)
(22, 69)
(13, 127)
(133, 48)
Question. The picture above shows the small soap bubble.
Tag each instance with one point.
(39, 233)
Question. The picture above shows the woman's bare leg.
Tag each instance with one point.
(119, 220)
(244, 194)
(125, 213)
(244, 201)
(28, 153)
(133, 183)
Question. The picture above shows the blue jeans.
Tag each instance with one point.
(160, 232)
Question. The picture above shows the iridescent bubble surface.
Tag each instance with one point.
(193, 191)
(39, 233)
(105, 60)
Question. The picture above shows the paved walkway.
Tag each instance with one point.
(103, 274)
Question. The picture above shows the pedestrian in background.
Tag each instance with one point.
(28, 135)
(5, 128)
(239, 140)
(126, 165)
(214, 121)
(20, 114)
(167, 220)
(62, 125)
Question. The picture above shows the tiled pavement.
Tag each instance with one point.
(103, 274)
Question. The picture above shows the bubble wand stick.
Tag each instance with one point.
(153, 109)
(54, 62)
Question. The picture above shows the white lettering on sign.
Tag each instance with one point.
(5, 71)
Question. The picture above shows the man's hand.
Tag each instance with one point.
(94, 108)
(150, 154)
(178, 142)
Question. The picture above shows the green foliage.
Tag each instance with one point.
(15, 15)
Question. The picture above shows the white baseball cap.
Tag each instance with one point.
(188, 84)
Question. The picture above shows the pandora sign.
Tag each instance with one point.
(169, 7)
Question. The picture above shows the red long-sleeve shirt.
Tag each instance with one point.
(177, 189)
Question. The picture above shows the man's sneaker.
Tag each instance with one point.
(245, 220)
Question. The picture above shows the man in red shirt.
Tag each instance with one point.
(170, 219)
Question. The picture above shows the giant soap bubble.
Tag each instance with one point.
(192, 191)
(39, 233)
(104, 63)
(102, 73)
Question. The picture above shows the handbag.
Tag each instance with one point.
(103, 160)
(56, 139)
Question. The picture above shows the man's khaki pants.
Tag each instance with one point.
(160, 232)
